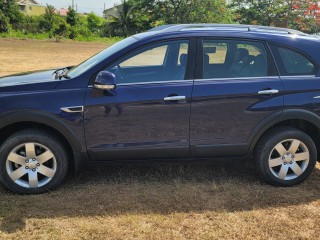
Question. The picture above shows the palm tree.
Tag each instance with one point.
(122, 19)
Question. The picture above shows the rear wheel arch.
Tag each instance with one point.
(303, 120)
(285, 156)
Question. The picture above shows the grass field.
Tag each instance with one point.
(28, 55)
(209, 201)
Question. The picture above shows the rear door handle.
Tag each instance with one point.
(175, 98)
(268, 92)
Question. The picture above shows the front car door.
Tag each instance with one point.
(147, 116)
(236, 89)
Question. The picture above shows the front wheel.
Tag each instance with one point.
(32, 162)
(285, 156)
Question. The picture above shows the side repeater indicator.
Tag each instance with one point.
(75, 109)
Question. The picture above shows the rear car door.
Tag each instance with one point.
(236, 90)
(298, 74)
(147, 116)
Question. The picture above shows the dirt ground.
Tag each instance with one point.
(28, 55)
(199, 201)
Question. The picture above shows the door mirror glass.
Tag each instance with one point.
(105, 80)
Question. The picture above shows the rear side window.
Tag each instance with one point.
(234, 59)
(216, 51)
(292, 63)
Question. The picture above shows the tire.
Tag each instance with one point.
(285, 156)
(32, 162)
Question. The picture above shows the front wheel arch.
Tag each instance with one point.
(19, 120)
(32, 161)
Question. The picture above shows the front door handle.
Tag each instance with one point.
(175, 98)
(268, 92)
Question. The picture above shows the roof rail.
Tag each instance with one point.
(249, 28)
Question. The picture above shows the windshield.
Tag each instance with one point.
(96, 59)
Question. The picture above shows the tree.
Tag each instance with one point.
(72, 17)
(94, 22)
(82, 27)
(122, 21)
(4, 23)
(151, 13)
(265, 12)
(305, 15)
(10, 10)
(209, 11)
(60, 29)
(30, 24)
(146, 14)
(48, 19)
(297, 14)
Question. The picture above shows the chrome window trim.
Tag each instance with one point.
(155, 82)
(234, 78)
(212, 79)
(299, 76)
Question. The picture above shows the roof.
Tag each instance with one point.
(224, 27)
(277, 35)
(63, 11)
(25, 2)
(111, 11)
(114, 8)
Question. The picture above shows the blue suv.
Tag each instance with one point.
(175, 93)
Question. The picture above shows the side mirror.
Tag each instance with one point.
(105, 80)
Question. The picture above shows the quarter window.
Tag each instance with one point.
(160, 62)
(292, 63)
(234, 59)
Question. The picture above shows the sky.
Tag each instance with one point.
(83, 5)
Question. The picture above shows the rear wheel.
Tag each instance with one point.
(285, 156)
(32, 161)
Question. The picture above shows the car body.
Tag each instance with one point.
(178, 92)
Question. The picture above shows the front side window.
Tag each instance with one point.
(292, 63)
(165, 61)
(234, 59)
(100, 57)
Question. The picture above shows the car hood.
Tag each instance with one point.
(29, 78)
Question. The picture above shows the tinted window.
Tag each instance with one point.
(234, 59)
(216, 51)
(291, 63)
(152, 57)
(160, 62)
(100, 57)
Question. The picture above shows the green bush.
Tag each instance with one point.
(60, 29)
(73, 33)
(4, 23)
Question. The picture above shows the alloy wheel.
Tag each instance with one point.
(31, 165)
(289, 159)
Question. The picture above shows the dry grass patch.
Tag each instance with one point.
(210, 201)
(29, 55)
